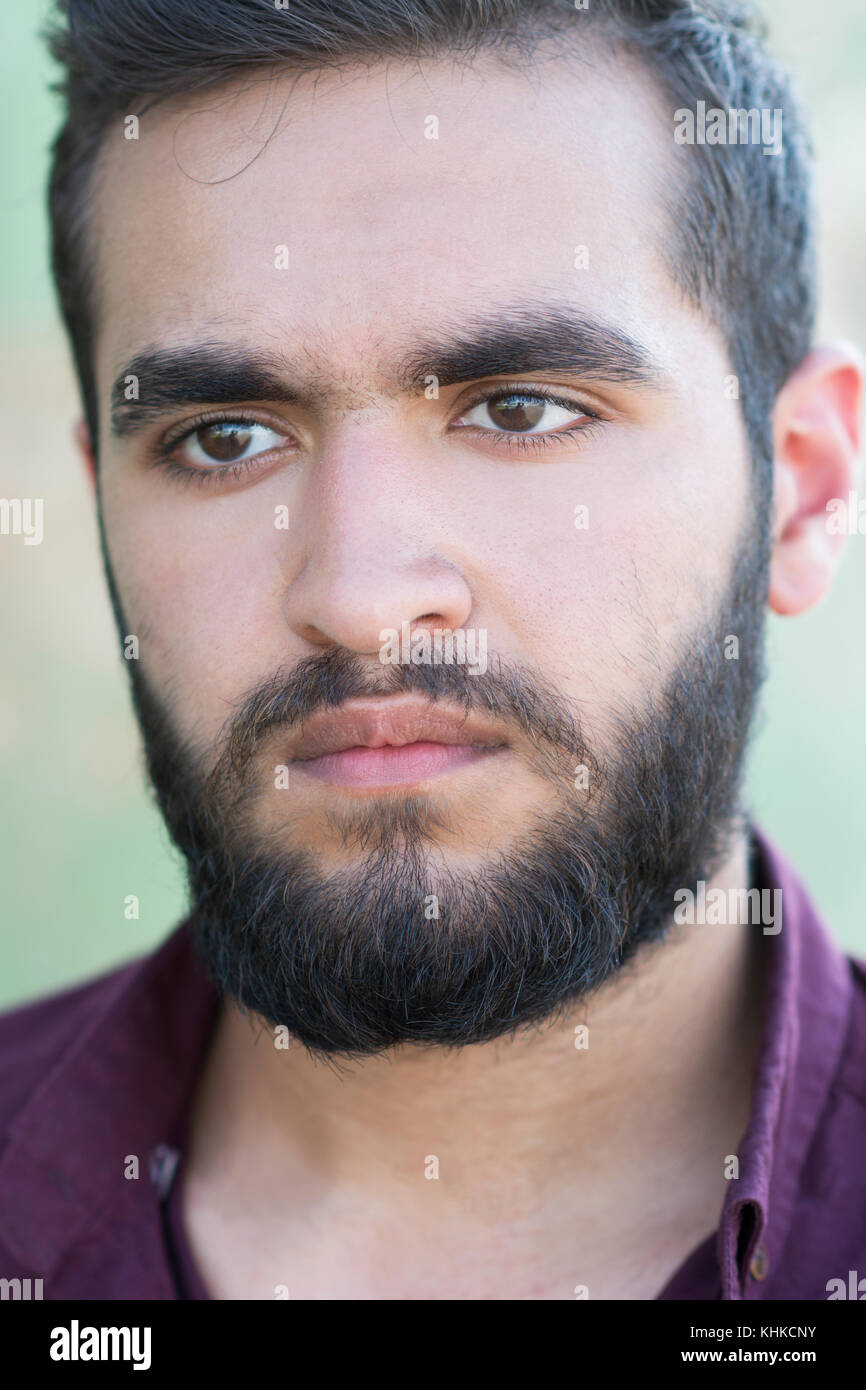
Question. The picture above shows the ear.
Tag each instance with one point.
(816, 431)
(84, 446)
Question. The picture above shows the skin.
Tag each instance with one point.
(557, 1167)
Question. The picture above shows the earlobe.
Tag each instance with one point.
(817, 442)
(85, 448)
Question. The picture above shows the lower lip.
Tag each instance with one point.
(392, 766)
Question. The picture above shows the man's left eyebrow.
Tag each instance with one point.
(535, 337)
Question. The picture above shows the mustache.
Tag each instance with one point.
(515, 694)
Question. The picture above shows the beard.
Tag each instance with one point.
(398, 948)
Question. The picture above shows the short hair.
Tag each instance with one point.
(741, 243)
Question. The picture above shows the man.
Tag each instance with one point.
(453, 418)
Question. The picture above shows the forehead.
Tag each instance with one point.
(316, 213)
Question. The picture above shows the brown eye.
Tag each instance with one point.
(227, 442)
(523, 412)
(516, 412)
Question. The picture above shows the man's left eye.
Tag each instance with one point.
(522, 413)
(227, 441)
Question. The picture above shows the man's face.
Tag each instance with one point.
(574, 508)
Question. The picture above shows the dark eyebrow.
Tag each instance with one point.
(532, 337)
(524, 338)
(161, 379)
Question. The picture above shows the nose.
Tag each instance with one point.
(375, 545)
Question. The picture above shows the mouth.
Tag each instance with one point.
(391, 742)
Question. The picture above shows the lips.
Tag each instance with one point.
(393, 722)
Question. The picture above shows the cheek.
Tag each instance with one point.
(602, 579)
(202, 590)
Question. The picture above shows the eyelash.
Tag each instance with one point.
(165, 456)
(533, 443)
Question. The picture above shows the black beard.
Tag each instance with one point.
(355, 962)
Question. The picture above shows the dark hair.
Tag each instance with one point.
(741, 244)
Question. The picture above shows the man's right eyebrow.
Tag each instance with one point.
(158, 380)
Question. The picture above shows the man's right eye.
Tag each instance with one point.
(225, 442)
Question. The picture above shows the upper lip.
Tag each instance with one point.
(365, 723)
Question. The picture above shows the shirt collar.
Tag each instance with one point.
(67, 1167)
(807, 1004)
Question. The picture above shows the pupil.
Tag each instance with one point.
(517, 412)
(225, 442)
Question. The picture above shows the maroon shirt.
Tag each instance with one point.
(100, 1075)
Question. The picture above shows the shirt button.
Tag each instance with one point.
(162, 1165)
(760, 1266)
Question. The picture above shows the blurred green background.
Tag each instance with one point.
(78, 832)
